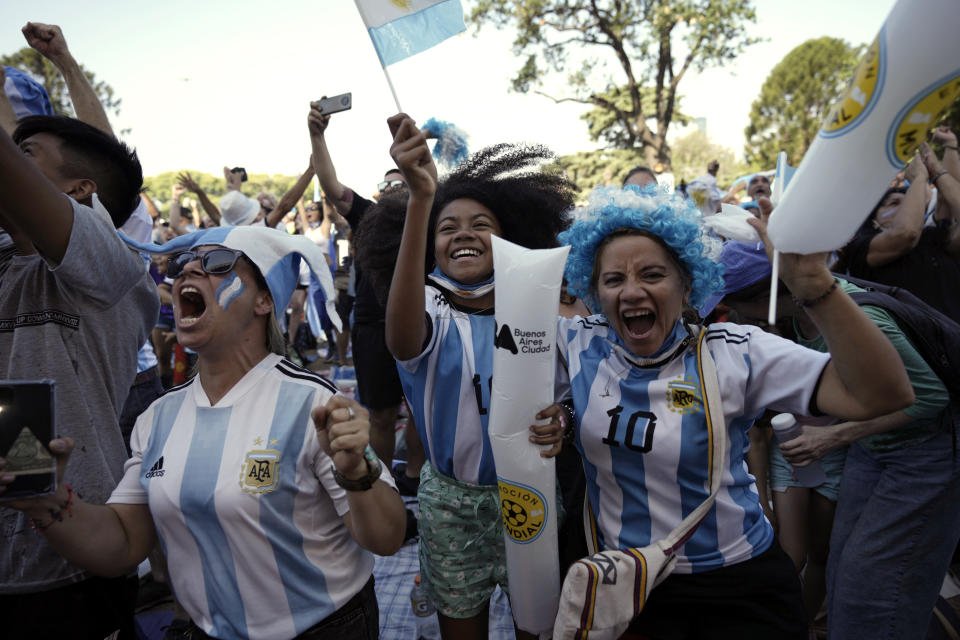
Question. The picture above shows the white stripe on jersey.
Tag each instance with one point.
(641, 431)
(245, 503)
(448, 389)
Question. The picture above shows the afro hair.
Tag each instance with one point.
(675, 221)
(531, 205)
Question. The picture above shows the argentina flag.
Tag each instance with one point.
(27, 96)
(402, 28)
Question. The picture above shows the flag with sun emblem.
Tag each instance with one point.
(402, 28)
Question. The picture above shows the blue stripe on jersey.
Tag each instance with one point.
(758, 534)
(304, 583)
(164, 415)
(199, 513)
(590, 360)
(446, 398)
(628, 464)
(483, 334)
(693, 477)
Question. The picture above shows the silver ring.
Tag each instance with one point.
(351, 413)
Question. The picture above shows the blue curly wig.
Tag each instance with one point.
(671, 218)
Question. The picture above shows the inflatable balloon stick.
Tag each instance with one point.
(908, 77)
(527, 291)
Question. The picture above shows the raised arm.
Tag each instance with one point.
(406, 326)
(48, 40)
(945, 136)
(187, 181)
(8, 117)
(290, 198)
(108, 540)
(865, 377)
(339, 195)
(948, 194)
(901, 230)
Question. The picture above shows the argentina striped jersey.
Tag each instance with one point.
(245, 503)
(448, 389)
(642, 433)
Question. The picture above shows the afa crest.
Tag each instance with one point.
(260, 473)
(683, 396)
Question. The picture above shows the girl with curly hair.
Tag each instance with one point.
(642, 257)
(442, 336)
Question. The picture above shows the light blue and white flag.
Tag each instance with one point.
(27, 96)
(402, 28)
(276, 254)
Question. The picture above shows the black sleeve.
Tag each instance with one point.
(358, 207)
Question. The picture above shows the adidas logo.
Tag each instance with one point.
(156, 471)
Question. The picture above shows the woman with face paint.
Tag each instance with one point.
(256, 475)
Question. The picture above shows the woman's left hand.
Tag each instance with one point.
(806, 276)
(811, 445)
(552, 432)
(343, 429)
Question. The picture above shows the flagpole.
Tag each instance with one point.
(393, 91)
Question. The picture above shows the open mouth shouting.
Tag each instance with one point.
(639, 322)
(190, 306)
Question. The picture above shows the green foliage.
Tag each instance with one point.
(795, 98)
(589, 169)
(609, 125)
(42, 70)
(640, 40)
(693, 152)
(159, 186)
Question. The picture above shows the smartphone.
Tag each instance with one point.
(26, 428)
(335, 104)
(241, 171)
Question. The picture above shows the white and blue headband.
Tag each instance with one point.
(275, 253)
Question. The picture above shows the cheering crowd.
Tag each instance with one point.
(191, 430)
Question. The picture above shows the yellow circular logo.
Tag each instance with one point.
(524, 511)
(911, 125)
(862, 94)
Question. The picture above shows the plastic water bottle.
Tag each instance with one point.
(423, 609)
(786, 428)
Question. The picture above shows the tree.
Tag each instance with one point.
(589, 169)
(42, 70)
(795, 99)
(693, 152)
(652, 42)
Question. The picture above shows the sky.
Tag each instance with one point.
(211, 83)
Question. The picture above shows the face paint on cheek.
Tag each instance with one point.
(228, 290)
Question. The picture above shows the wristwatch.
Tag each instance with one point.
(366, 482)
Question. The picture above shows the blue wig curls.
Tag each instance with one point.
(671, 218)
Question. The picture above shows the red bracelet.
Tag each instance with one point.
(56, 515)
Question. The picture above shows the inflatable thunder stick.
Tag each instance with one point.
(527, 291)
(908, 77)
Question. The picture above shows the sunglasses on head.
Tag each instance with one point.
(215, 261)
(386, 184)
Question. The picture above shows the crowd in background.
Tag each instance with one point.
(179, 338)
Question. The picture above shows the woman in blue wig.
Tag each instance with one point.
(442, 335)
(641, 427)
(256, 475)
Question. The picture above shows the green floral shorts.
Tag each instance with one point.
(462, 555)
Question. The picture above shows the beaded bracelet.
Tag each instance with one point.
(933, 180)
(809, 303)
(56, 515)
